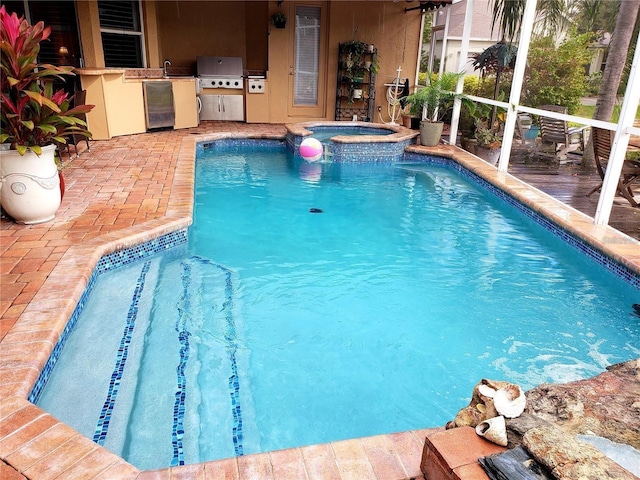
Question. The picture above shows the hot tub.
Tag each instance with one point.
(353, 141)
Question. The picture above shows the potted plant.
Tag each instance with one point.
(354, 57)
(279, 20)
(357, 64)
(432, 102)
(488, 143)
(466, 126)
(34, 119)
(359, 58)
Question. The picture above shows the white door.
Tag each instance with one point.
(307, 61)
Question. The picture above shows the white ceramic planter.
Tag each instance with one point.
(30, 185)
(489, 155)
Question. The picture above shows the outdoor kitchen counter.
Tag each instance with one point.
(119, 102)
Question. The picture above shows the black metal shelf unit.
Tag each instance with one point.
(356, 83)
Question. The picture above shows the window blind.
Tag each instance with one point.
(307, 52)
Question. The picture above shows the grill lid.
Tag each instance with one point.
(219, 66)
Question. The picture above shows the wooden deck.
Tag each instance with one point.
(570, 184)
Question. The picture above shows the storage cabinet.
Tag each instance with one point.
(184, 97)
(222, 107)
(356, 83)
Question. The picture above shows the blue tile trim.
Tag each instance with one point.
(107, 262)
(143, 250)
(230, 335)
(102, 428)
(240, 144)
(382, 152)
(373, 152)
(594, 254)
(57, 349)
(184, 307)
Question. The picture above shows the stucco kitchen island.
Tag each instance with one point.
(117, 94)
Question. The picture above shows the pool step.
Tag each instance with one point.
(453, 455)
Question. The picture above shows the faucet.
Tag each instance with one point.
(164, 69)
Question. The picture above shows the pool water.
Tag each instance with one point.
(277, 327)
(324, 133)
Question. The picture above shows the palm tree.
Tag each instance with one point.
(508, 15)
(553, 15)
(618, 49)
(496, 58)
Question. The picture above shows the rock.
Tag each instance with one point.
(570, 459)
(623, 454)
(606, 405)
(466, 417)
(481, 406)
(517, 427)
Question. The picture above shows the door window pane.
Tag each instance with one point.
(307, 54)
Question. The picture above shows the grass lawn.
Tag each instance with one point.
(587, 111)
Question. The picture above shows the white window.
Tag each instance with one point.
(121, 30)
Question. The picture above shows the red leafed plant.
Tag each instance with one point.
(33, 114)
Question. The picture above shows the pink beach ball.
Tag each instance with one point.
(311, 149)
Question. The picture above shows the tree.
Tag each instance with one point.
(496, 59)
(552, 14)
(618, 49)
(508, 14)
(597, 15)
(426, 39)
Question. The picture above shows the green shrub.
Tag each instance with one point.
(556, 76)
(471, 83)
(487, 84)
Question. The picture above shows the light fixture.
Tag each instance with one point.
(64, 51)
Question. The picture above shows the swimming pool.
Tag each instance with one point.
(376, 220)
(324, 133)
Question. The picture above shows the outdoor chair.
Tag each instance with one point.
(523, 124)
(602, 140)
(79, 98)
(558, 135)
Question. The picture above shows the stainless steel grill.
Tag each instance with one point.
(221, 88)
(220, 72)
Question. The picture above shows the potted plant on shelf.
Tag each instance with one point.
(34, 119)
(279, 20)
(432, 102)
(358, 63)
(359, 58)
(354, 57)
